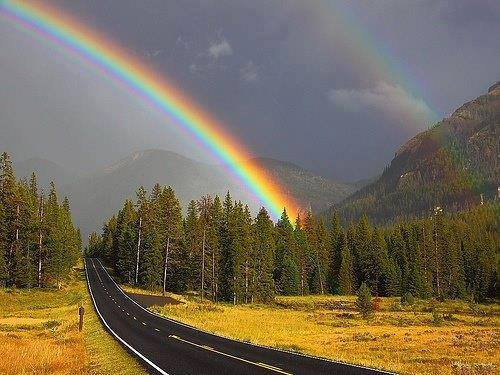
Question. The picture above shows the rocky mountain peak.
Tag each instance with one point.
(495, 89)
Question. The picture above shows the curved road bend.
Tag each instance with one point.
(169, 347)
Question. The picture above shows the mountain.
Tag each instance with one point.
(94, 198)
(450, 165)
(98, 196)
(312, 190)
(45, 170)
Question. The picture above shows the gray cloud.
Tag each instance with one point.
(383, 97)
(249, 72)
(219, 49)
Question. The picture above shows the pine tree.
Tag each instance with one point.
(303, 255)
(377, 262)
(214, 243)
(363, 257)
(151, 266)
(23, 271)
(415, 284)
(109, 250)
(193, 243)
(172, 236)
(227, 262)
(364, 300)
(264, 245)
(9, 200)
(246, 257)
(346, 272)
(290, 280)
(3, 260)
(336, 244)
(397, 250)
(55, 261)
(94, 245)
(240, 237)
(127, 242)
(285, 259)
(392, 282)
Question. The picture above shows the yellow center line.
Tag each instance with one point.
(93, 264)
(205, 347)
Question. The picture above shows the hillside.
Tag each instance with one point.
(96, 197)
(450, 165)
(45, 170)
(312, 190)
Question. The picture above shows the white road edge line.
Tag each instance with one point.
(247, 343)
(135, 351)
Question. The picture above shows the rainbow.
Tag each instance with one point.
(373, 57)
(58, 27)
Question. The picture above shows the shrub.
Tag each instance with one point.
(437, 318)
(364, 301)
(51, 324)
(407, 299)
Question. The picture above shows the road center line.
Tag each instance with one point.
(204, 347)
(99, 276)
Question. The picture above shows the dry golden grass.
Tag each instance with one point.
(132, 289)
(403, 339)
(39, 334)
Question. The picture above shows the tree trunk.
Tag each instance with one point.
(138, 250)
(165, 268)
(203, 268)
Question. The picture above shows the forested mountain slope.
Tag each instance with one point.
(314, 191)
(450, 165)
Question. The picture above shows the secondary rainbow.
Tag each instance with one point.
(60, 28)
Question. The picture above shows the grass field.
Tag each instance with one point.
(39, 334)
(457, 338)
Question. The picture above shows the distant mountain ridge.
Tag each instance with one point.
(449, 165)
(314, 191)
(45, 170)
(95, 197)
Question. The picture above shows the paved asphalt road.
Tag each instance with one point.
(169, 347)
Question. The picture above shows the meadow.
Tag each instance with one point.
(428, 337)
(39, 334)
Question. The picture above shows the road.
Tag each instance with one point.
(165, 346)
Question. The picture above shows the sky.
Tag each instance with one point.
(333, 86)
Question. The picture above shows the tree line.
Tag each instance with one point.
(221, 251)
(38, 242)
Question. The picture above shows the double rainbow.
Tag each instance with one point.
(60, 28)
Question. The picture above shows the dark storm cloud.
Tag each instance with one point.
(268, 70)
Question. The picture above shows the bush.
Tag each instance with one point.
(437, 318)
(407, 299)
(364, 301)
